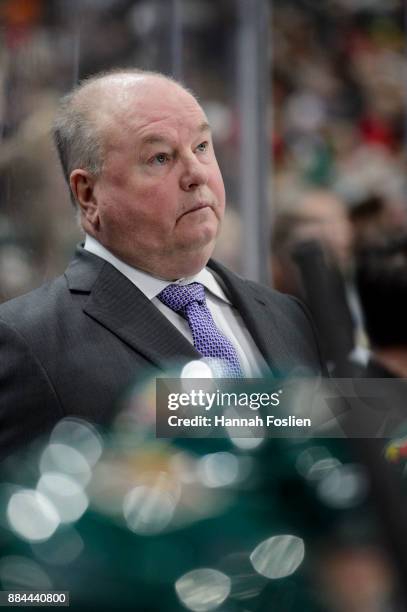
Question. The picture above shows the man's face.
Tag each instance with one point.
(160, 196)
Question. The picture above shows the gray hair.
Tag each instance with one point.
(77, 137)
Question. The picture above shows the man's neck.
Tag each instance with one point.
(99, 249)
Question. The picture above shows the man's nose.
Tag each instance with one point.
(194, 174)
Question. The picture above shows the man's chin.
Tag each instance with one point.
(200, 237)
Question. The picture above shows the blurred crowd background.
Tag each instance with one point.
(336, 215)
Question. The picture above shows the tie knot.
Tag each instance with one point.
(177, 297)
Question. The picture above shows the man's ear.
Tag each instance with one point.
(82, 185)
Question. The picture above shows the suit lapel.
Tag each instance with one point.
(122, 308)
(260, 317)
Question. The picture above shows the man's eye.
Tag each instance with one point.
(203, 146)
(160, 158)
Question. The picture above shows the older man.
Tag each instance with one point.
(137, 152)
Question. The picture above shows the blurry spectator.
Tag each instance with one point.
(313, 214)
(375, 218)
(382, 284)
(311, 258)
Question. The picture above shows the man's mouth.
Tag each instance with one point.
(195, 208)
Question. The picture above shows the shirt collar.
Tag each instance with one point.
(151, 286)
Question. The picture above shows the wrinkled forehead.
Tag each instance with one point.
(134, 105)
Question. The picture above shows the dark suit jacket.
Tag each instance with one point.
(75, 344)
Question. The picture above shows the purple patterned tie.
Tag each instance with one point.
(189, 301)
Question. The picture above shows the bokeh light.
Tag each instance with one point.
(20, 573)
(315, 462)
(218, 469)
(148, 509)
(81, 435)
(343, 487)
(202, 590)
(65, 493)
(278, 556)
(32, 515)
(197, 369)
(67, 460)
(63, 548)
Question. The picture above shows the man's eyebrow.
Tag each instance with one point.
(154, 139)
(205, 127)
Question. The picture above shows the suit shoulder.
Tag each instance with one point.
(32, 307)
(275, 297)
(288, 307)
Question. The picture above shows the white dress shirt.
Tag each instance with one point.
(226, 317)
